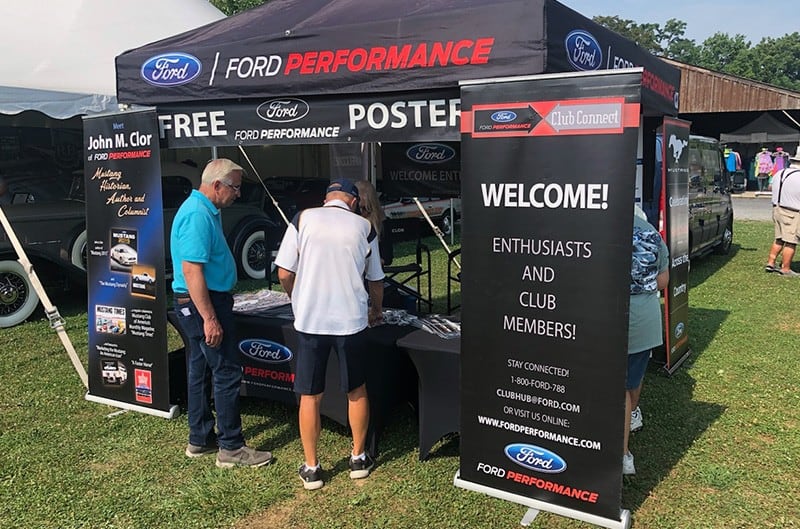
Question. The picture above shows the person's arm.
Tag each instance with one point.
(375, 302)
(198, 291)
(286, 279)
(662, 279)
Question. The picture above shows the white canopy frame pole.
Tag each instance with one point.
(56, 320)
(436, 230)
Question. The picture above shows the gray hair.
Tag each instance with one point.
(219, 169)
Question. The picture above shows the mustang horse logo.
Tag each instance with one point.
(677, 147)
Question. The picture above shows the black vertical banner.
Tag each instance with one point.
(549, 167)
(675, 205)
(128, 365)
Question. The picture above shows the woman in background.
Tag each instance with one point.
(370, 209)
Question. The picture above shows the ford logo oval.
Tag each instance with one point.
(535, 458)
(265, 351)
(679, 329)
(503, 116)
(171, 69)
(583, 50)
(430, 153)
(284, 110)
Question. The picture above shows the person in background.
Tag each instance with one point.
(649, 275)
(324, 257)
(786, 217)
(370, 208)
(204, 274)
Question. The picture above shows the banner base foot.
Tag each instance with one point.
(535, 505)
(529, 517)
(674, 367)
(173, 411)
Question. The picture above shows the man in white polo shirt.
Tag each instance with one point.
(325, 255)
(786, 216)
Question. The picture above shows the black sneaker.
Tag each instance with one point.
(312, 479)
(360, 468)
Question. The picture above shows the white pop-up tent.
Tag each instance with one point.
(58, 55)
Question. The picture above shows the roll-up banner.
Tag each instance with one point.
(549, 167)
(128, 361)
(427, 169)
(675, 205)
(401, 116)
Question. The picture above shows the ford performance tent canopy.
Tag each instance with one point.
(59, 54)
(335, 52)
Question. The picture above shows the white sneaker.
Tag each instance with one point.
(636, 420)
(627, 465)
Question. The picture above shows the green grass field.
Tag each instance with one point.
(720, 448)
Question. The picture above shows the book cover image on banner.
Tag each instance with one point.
(128, 361)
(549, 168)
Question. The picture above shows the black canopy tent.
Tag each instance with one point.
(334, 71)
(764, 129)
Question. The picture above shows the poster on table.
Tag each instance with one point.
(549, 167)
(128, 364)
(675, 175)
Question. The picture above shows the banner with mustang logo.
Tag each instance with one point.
(421, 169)
(128, 361)
(675, 205)
(549, 171)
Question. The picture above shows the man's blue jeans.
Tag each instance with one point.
(212, 371)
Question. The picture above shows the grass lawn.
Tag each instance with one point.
(720, 447)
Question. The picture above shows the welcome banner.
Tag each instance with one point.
(549, 166)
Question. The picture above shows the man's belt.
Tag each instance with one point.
(788, 208)
(183, 299)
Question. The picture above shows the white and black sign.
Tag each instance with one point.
(549, 183)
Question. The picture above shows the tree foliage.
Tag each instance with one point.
(232, 7)
(774, 61)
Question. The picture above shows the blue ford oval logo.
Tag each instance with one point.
(430, 153)
(679, 329)
(503, 116)
(265, 351)
(283, 110)
(583, 50)
(171, 69)
(535, 458)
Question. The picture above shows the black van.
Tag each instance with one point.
(710, 203)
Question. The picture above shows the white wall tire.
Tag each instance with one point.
(251, 255)
(78, 253)
(18, 299)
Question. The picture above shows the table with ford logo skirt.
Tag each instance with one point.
(267, 342)
(404, 364)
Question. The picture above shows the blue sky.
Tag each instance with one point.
(753, 19)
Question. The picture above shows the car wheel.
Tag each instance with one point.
(251, 254)
(18, 299)
(445, 223)
(724, 247)
(78, 255)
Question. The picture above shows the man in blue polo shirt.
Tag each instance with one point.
(204, 274)
(325, 255)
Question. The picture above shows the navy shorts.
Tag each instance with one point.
(313, 351)
(637, 365)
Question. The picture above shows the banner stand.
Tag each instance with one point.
(669, 369)
(174, 409)
(534, 506)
